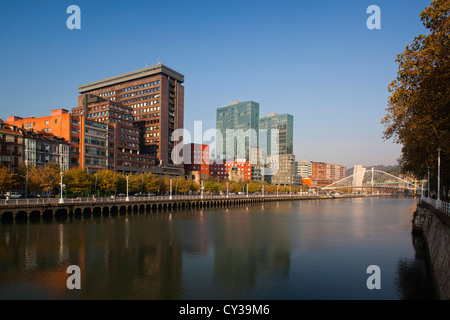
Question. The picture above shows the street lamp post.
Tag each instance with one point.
(127, 198)
(201, 195)
(227, 189)
(247, 190)
(439, 173)
(62, 199)
(170, 196)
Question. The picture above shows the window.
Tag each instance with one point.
(46, 122)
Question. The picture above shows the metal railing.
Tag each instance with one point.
(438, 204)
(43, 201)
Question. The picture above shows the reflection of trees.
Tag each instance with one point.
(413, 276)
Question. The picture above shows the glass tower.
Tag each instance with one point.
(238, 124)
(284, 123)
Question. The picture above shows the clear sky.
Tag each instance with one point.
(316, 60)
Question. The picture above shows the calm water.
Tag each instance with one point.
(286, 250)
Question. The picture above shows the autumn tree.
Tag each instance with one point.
(45, 178)
(77, 181)
(418, 113)
(6, 179)
(254, 187)
(107, 181)
(135, 183)
(183, 185)
(151, 183)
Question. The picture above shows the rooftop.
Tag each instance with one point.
(159, 68)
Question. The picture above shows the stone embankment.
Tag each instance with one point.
(435, 226)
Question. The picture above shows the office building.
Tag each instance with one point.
(283, 170)
(124, 138)
(238, 124)
(283, 124)
(156, 98)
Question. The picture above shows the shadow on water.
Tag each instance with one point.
(414, 279)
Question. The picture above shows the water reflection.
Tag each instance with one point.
(289, 250)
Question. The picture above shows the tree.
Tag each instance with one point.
(183, 185)
(121, 183)
(254, 187)
(151, 183)
(6, 179)
(107, 181)
(45, 178)
(418, 114)
(194, 186)
(135, 183)
(77, 181)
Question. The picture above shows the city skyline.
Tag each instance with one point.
(319, 63)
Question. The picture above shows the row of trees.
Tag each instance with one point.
(106, 182)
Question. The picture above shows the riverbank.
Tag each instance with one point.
(435, 227)
(27, 208)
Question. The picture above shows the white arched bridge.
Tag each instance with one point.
(368, 180)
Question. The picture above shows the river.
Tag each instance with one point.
(280, 250)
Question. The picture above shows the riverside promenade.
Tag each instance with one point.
(52, 207)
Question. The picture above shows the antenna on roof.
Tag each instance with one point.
(159, 60)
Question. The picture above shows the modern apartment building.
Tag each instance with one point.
(283, 166)
(284, 126)
(323, 174)
(156, 98)
(238, 124)
(303, 168)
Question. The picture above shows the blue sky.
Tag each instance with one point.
(316, 60)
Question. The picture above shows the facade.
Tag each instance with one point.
(284, 123)
(123, 134)
(283, 166)
(218, 169)
(87, 139)
(323, 174)
(239, 170)
(196, 159)
(156, 98)
(238, 123)
(303, 168)
(42, 148)
(11, 146)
